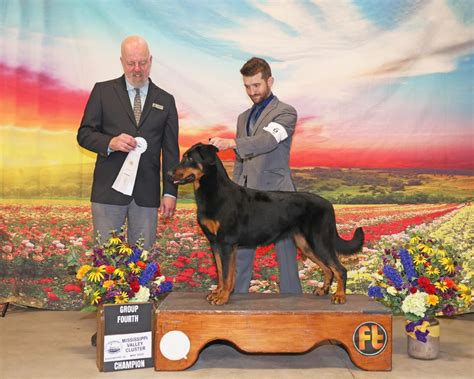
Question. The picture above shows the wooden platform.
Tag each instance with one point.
(272, 323)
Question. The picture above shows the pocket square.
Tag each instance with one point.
(157, 106)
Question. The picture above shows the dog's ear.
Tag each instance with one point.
(208, 154)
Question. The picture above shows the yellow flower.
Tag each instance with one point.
(465, 294)
(135, 269)
(114, 240)
(425, 249)
(124, 249)
(83, 270)
(122, 298)
(95, 297)
(441, 286)
(432, 270)
(433, 299)
(119, 272)
(419, 259)
(441, 252)
(415, 240)
(108, 283)
(448, 264)
(96, 274)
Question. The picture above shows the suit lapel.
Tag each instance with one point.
(150, 98)
(264, 114)
(121, 90)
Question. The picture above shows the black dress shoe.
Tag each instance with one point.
(94, 339)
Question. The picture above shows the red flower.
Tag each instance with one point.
(430, 289)
(52, 296)
(135, 286)
(110, 269)
(45, 280)
(413, 290)
(141, 264)
(423, 281)
(72, 288)
(47, 289)
(449, 283)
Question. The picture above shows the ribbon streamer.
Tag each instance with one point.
(125, 180)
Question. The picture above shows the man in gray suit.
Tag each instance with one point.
(262, 147)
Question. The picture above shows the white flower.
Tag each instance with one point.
(142, 295)
(144, 255)
(160, 280)
(392, 290)
(415, 304)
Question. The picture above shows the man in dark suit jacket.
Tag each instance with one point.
(262, 146)
(117, 112)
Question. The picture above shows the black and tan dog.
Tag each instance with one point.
(232, 216)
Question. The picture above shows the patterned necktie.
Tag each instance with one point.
(137, 105)
(253, 120)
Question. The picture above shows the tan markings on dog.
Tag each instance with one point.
(340, 296)
(184, 172)
(211, 225)
(302, 244)
(220, 281)
(222, 296)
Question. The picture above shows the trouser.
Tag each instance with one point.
(141, 222)
(286, 255)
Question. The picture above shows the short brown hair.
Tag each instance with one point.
(255, 65)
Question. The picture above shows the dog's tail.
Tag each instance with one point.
(352, 246)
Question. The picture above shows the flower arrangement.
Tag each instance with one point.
(420, 281)
(120, 273)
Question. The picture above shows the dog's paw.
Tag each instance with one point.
(320, 292)
(338, 299)
(219, 299)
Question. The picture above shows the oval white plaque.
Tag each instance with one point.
(175, 345)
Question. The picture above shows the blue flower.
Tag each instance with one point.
(166, 287)
(148, 273)
(375, 291)
(393, 275)
(135, 256)
(407, 263)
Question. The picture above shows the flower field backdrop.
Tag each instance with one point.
(43, 245)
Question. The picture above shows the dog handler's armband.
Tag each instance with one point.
(277, 131)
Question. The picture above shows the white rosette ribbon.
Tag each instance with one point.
(125, 180)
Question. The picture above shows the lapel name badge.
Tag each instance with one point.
(157, 106)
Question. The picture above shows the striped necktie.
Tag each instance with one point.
(137, 105)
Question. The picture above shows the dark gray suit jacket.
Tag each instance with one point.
(262, 161)
(109, 113)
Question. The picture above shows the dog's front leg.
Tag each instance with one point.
(220, 280)
(226, 275)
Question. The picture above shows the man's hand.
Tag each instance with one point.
(123, 142)
(168, 206)
(222, 143)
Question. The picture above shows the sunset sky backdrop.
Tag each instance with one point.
(376, 84)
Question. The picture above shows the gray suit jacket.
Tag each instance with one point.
(261, 161)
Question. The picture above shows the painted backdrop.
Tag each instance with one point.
(383, 90)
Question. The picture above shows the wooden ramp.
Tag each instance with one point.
(272, 323)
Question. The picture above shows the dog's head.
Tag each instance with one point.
(196, 162)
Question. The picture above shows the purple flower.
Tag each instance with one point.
(407, 264)
(449, 310)
(375, 291)
(393, 275)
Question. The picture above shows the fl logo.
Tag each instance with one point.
(370, 338)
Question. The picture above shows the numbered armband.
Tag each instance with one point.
(277, 131)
